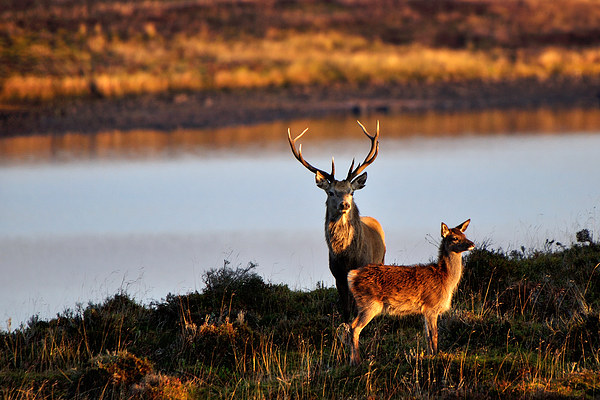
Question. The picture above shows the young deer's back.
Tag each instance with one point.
(402, 290)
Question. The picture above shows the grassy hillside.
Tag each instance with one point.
(523, 325)
(112, 48)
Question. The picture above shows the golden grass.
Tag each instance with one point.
(154, 64)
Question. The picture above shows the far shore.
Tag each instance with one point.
(205, 110)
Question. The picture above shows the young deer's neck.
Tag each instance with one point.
(452, 263)
(341, 230)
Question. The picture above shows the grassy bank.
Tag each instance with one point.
(524, 325)
(111, 48)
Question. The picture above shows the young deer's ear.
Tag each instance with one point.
(464, 225)
(359, 182)
(321, 181)
(445, 230)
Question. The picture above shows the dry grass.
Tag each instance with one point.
(116, 49)
(523, 325)
(196, 63)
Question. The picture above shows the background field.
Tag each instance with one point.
(74, 48)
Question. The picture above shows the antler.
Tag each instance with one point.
(298, 155)
(370, 157)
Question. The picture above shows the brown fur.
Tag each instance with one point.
(352, 240)
(402, 290)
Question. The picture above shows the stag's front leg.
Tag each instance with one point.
(346, 300)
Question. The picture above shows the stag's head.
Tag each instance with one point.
(339, 193)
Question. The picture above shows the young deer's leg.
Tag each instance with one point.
(432, 333)
(365, 315)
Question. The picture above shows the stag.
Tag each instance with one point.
(353, 241)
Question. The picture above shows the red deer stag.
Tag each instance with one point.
(353, 240)
(402, 290)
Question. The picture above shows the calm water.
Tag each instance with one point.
(149, 212)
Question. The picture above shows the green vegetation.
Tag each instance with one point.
(524, 325)
(113, 48)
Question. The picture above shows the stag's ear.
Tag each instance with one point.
(359, 182)
(321, 181)
(463, 227)
(445, 230)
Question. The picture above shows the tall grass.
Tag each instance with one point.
(113, 48)
(524, 324)
(325, 58)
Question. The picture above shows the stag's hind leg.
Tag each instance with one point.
(365, 315)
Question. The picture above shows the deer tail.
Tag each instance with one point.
(351, 276)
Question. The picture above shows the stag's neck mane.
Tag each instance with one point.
(343, 231)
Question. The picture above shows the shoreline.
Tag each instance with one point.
(205, 110)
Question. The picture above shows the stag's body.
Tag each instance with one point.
(352, 240)
(403, 290)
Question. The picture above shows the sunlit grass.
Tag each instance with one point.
(113, 67)
(244, 338)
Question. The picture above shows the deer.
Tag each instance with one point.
(424, 289)
(352, 240)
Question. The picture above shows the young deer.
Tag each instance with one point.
(353, 241)
(402, 290)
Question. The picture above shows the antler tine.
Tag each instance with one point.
(370, 157)
(298, 155)
(332, 168)
(350, 170)
(367, 133)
